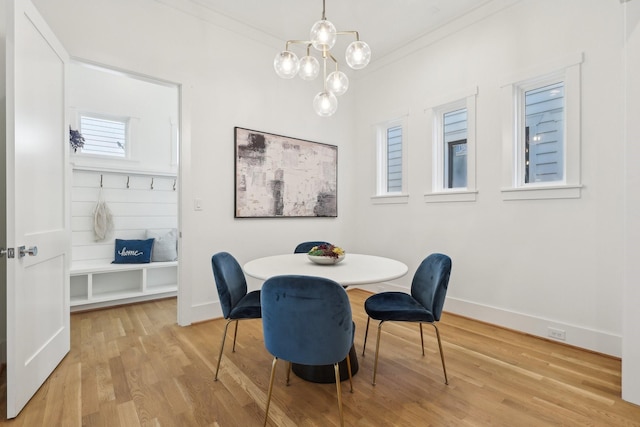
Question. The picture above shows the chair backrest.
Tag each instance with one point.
(230, 281)
(306, 319)
(430, 282)
(305, 247)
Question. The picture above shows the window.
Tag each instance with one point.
(541, 133)
(453, 177)
(455, 151)
(104, 136)
(394, 159)
(392, 155)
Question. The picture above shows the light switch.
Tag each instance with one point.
(197, 204)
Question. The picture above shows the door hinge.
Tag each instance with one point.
(9, 251)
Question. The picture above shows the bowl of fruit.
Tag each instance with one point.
(326, 254)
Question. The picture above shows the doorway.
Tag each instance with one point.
(128, 164)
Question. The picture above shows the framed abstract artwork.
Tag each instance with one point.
(278, 176)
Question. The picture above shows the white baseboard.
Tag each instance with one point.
(206, 311)
(590, 339)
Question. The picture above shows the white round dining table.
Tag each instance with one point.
(354, 269)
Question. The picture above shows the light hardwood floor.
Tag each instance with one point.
(133, 365)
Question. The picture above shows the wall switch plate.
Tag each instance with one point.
(197, 204)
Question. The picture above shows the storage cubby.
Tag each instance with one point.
(99, 285)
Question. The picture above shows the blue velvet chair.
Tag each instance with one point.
(424, 305)
(236, 303)
(306, 320)
(305, 247)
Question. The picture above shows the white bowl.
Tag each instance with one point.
(325, 260)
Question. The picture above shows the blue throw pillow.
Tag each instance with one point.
(133, 251)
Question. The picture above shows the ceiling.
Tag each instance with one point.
(384, 24)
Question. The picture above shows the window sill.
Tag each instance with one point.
(451, 196)
(540, 193)
(390, 199)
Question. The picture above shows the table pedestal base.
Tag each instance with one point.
(325, 373)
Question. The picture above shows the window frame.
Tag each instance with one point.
(567, 70)
(464, 99)
(382, 195)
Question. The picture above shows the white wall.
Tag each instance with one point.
(631, 314)
(528, 264)
(150, 107)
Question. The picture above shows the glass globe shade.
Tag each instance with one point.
(309, 68)
(337, 83)
(323, 35)
(358, 54)
(286, 64)
(325, 104)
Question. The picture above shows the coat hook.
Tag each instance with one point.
(100, 180)
(174, 185)
(127, 182)
(152, 183)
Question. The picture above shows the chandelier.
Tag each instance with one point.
(323, 36)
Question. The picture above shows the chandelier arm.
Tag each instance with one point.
(324, 73)
(323, 9)
(334, 60)
(307, 42)
(344, 33)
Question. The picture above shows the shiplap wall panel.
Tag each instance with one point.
(134, 209)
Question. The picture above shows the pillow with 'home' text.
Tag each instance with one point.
(133, 251)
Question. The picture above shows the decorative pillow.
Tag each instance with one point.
(165, 247)
(133, 251)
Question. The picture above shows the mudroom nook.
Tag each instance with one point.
(123, 186)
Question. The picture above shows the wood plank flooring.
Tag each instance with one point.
(133, 366)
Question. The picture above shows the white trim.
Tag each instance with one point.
(388, 199)
(451, 196)
(600, 341)
(120, 171)
(458, 95)
(568, 70)
(204, 311)
(463, 99)
(540, 193)
(538, 70)
(380, 131)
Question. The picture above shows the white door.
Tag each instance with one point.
(36, 204)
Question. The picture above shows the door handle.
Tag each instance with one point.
(23, 251)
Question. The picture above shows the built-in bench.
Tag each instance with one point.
(139, 201)
(97, 284)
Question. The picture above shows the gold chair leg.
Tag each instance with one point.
(273, 374)
(446, 380)
(288, 372)
(421, 338)
(375, 363)
(366, 332)
(235, 334)
(224, 335)
(349, 370)
(336, 367)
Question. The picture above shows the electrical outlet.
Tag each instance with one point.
(556, 333)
